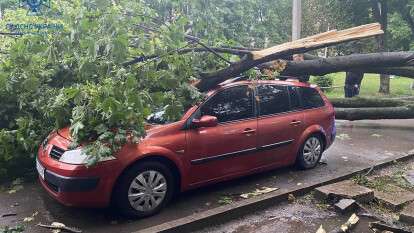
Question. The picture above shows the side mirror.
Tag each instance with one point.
(205, 121)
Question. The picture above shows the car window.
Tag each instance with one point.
(294, 98)
(273, 99)
(231, 104)
(310, 98)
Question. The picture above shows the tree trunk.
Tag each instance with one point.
(369, 102)
(374, 113)
(384, 84)
(380, 12)
(353, 83)
(399, 63)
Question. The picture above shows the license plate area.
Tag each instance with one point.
(40, 169)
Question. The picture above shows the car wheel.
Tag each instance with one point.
(144, 189)
(310, 152)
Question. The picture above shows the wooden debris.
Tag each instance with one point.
(321, 230)
(60, 226)
(258, 192)
(291, 198)
(384, 227)
(350, 224)
(8, 215)
(322, 39)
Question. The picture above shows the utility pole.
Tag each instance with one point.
(296, 19)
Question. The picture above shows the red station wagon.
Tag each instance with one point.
(242, 127)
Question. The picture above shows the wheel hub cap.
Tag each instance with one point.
(147, 190)
(312, 150)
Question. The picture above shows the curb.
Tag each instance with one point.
(231, 211)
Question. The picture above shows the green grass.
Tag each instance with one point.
(370, 84)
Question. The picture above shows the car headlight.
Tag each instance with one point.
(77, 157)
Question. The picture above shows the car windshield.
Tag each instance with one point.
(159, 116)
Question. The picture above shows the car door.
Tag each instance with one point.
(224, 149)
(280, 123)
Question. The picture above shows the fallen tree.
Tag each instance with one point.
(373, 108)
(279, 59)
(353, 114)
(255, 58)
(358, 102)
(397, 63)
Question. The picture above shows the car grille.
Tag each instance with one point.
(56, 152)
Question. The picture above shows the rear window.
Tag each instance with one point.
(310, 98)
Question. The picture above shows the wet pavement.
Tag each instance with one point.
(356, 147)
(302, 216)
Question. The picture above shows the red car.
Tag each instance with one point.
(241, 128)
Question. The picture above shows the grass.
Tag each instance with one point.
(399, 86)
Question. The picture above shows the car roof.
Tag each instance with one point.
(288, 82)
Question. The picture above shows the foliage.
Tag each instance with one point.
(324, 81)
(324, 15)
(14, 229)
(75, 77)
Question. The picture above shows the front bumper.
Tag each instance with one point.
(61, 184)
(77, 185)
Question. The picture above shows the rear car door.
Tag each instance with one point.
(280, 123)
(225, 149)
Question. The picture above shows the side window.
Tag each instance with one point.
(311, 98)
(294, 98)
(273, 99)
(231, 104)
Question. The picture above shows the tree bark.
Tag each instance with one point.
(398, 63)
(374, 113)
(353, 83)
(368, 102)
(380, 12)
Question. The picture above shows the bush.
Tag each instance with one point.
(325, 82)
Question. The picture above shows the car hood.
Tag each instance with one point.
(151, 129)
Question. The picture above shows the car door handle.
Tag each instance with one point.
(249, 131)
(295, 122)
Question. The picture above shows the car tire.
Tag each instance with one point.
(137, 196)
(310, 152)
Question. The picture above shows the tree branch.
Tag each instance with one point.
(188, 50)
(388, 62)
(304, 45)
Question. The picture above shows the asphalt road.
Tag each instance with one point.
(357, 146)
